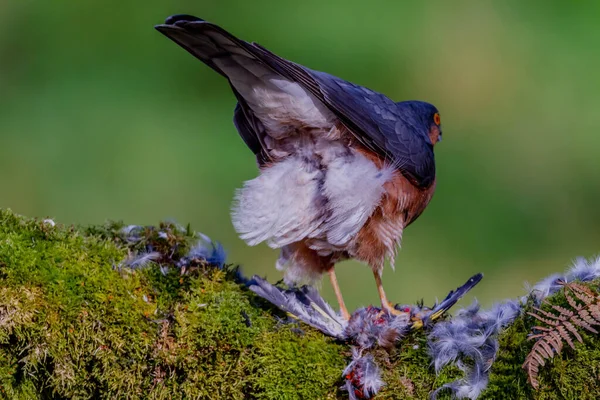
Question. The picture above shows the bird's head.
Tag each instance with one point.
(424, 118)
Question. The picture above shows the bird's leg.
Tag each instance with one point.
(385, 304)
(338, 293)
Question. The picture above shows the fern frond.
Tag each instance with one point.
(573, 330)
(586, 324)
(564, 334)
(595, 311)
(563, 324)
(582, 292)
(572, 301)
(564, 313)
(555, 339)
(550, 320)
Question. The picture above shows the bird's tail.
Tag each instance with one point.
(217, 48)
(231, 57)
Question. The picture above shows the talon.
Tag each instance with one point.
(417, 323)
(390, 309)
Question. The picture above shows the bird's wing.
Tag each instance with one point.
(250, 128)
(375, 120)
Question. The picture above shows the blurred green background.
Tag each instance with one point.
(101, 117)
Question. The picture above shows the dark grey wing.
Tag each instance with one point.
(374, 119)
(250, 128)
(380, 121)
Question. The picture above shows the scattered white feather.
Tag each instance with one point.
(132, 233)
(584, 270)
(205, 249)
(581, 269)
(364, 374)
(470, 340)
(141, 260)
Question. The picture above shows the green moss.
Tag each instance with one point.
(407, 370)
(507, 378)
(74, 324)
(294, 365)
(573, 374)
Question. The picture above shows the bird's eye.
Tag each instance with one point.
(437, 119)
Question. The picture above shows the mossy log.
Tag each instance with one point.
(75, 323)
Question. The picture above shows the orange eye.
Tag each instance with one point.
(437, 119)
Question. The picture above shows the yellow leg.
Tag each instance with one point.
(385, 304)
(338, 293)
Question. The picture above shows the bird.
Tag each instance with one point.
(342, 169)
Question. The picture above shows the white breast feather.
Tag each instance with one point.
(281, 206)
(293, 200)
(353, 188)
